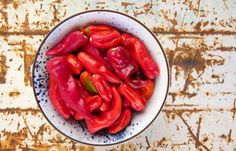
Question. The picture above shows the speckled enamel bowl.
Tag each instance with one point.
(77, 130)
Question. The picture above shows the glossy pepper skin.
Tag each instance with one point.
(94, 66)
(147, 90)
(93, 102)
(104, 106)
(86, 81)
(67, 85)
(136, 101)
(83, 92)
(56, 99)
(74, 64)
(141, 56)
(69, 43)
(107, 118)
(122, 62)
(102, 87)
(95, 29)
(106, 40)
(122, 121)
(94, 52)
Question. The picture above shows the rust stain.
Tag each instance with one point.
(227, 137)
(29, 55)
(159, 143)
(226, 48)
(13, 139)
(4, 26)
(126, 4)
(198, 143)
(198, 26)
(100, 3)
(19, 111)
(233, 110)
(3, 69)
(14, 93)
(148, 144)
(55, 15)
(158, 30)
(225, 4)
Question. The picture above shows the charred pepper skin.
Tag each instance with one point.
(68, 44)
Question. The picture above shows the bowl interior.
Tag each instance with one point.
(76, 130)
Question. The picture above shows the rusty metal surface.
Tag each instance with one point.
(199, 38)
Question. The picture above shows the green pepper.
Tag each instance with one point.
(86, 81)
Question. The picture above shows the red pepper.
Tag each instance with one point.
(56, 99)
(93, 102)
(140, 54)
(147, 90)
(94, 29)
(77, 116)
(69, 43)
(67, 85)
(122, 121)
(94, 52)
(74, 64)
(86, 81)
(136, 101)
(107, 118)
(126, 103)
(102, 87)
(106, 40)
(94, 66)
(84, 93)
(121, 62)
(104, 106)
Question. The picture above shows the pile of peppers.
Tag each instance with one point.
(100, 75)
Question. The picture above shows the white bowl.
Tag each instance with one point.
(78, 131)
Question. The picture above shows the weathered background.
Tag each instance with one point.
(199, 38)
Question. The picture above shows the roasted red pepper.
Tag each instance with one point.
(69, 43)
(102, 87)
(67, 85)
(140, 54)
(94, 52)
(122, 121)
(106, 40)
(121, 62)
(84, 93)
(104, 106)
(126, 103)
(93, 102)
(86, 81)
(107, 118)
(147, 90)
(56, 99)
(94, 29)
(94, 66)
(136, 101)
(74, 64)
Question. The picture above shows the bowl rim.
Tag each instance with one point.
(109, 11)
